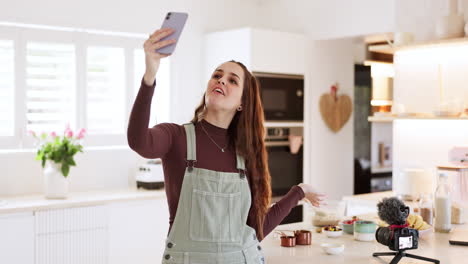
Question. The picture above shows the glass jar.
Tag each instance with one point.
(426, 208)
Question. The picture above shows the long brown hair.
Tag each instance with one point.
(247, 133)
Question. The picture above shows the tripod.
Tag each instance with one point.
(400, 254)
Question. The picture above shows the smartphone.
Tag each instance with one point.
(175, 21)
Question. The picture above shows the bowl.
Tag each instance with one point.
(333, 248)
(303, 237)
(333, 233)
(329, 214)
(288, 241)
(364, 230)
(348, 225)
(348, 228)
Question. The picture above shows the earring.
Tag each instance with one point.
(239, 108)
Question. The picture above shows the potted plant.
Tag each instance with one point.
(56, 155)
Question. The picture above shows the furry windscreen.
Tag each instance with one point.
(393, 211)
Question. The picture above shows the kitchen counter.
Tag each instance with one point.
(35, 202)
(432, 245)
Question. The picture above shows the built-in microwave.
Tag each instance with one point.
(282, 96)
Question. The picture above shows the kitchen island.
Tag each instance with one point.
(432, 245)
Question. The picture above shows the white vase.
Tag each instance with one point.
(450, 26)
(55, 184)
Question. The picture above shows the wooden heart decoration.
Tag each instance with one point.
(335, 110)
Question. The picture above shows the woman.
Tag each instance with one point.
(215, 167)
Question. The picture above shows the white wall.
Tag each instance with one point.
(420, 16)
(332, 154)
(97, 169)
(144, 16)
(417, 76)
(331, 157)
(329, 19)
(425, 143)
(330, 162)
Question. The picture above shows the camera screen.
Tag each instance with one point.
(405, 242)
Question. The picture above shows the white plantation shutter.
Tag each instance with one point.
(105, 90)
(160, 102)
(50, 86)
(54, 76)
(7, 84)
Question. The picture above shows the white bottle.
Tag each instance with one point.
(443, 205)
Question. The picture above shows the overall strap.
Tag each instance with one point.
(191, 145)
(241, 165)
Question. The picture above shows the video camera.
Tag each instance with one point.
(397, 236)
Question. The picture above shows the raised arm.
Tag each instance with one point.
(152, 142)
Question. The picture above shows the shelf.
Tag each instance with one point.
(284, 124)
(380, 119)
(381, 169)
(382, 48)
(387, 49)
(452, 167)
(428, 117)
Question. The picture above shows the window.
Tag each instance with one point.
(52, 76)
(160, 102)
(7, 84)
(105, 90)
(50, 86)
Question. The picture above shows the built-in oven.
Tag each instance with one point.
(286, 168)
(282, 96)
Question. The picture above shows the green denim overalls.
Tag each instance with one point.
(210, 223)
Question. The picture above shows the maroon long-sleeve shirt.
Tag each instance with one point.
(168, 142)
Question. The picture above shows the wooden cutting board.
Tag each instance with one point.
(335, 110)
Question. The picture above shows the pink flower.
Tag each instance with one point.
(53, 134)
(67, 129)
(81, 133)
(69, 133)
(32, 133)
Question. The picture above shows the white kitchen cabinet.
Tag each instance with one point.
(261, 50)
(128, 226)
(17, 238)
(137, 231)
(71, 235)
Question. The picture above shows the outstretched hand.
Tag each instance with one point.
(312, 195)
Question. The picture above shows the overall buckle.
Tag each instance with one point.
(241, 173)
(190, 164)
